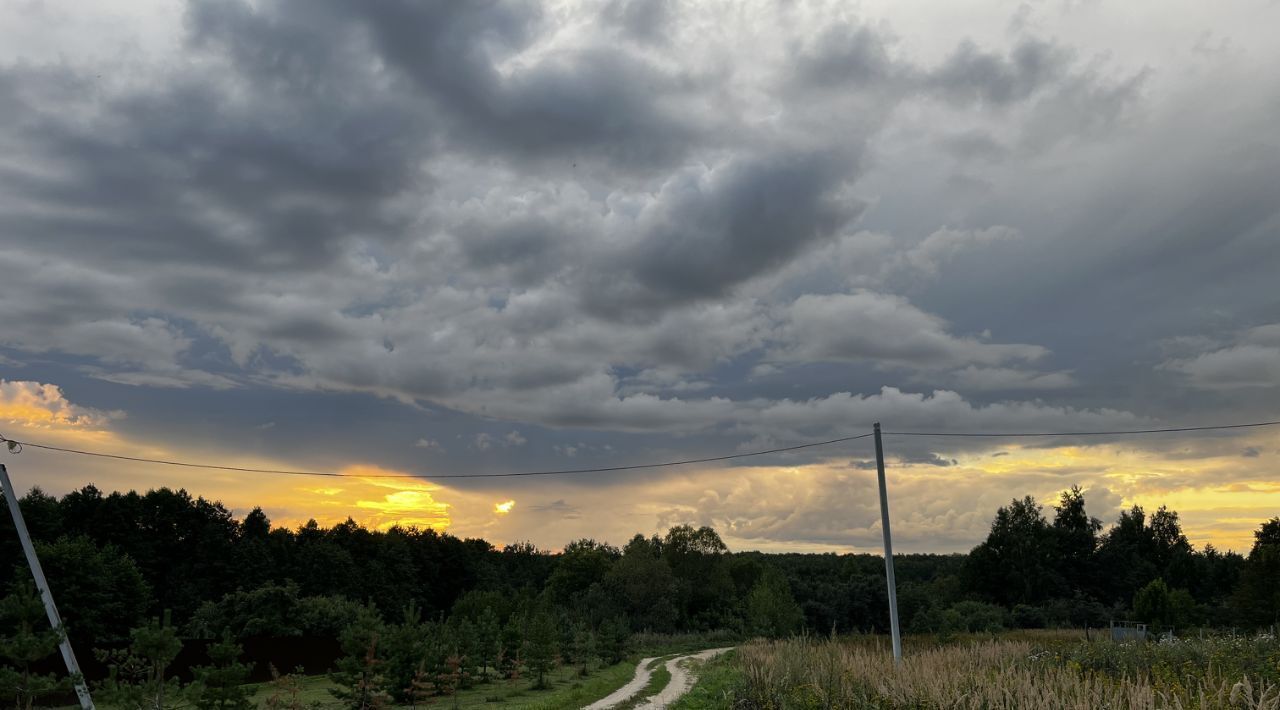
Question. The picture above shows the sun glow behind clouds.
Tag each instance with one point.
(1222, 487)
(394, 501)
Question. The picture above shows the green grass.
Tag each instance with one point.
(566, 690)
(713, 690)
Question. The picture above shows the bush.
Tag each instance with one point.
(978, 617)
(1026, 616)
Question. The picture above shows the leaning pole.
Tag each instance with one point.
(42, 586)
(888, 550)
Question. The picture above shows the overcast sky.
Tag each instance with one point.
(467, 237)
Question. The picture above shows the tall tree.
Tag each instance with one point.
(1015, 564)
(1076, 536)
(100, 590)
(1257, 599)
(642, 581)
(699, 560)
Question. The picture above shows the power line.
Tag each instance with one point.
(16, 446)
(1085, 433)
(509, 474)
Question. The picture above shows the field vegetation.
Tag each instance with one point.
(1047, 671)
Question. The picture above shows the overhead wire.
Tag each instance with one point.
(507, 474)
(15, 446)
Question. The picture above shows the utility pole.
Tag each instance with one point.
(888, 550)
(42, 585)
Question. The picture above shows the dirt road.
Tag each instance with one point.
(624, 693)
(681, 681)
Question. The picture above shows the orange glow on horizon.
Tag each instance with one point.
(1221, 496)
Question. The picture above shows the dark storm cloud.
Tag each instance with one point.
(971, 74)
(604, 218)
(597, 101)
(846, 55)
(708, 230)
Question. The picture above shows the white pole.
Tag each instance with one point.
(68, 655)
(888, 550)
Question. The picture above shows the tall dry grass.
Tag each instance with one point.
(806, 673)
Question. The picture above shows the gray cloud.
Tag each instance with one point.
(971, 74)
(644, 219)
(883, 329)
(558, 508)
(707, 230)
(1252, 361)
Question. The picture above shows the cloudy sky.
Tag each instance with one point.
(458, 238)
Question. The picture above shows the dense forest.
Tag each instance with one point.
(116, 561)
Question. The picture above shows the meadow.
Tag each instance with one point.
(1044, 669)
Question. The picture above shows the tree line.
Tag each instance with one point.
(420, 609)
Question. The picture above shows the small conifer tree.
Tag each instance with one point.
(488, 642)
(360, 682)
(136, 675)
(221, 684)
(539, 648)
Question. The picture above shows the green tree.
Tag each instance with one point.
(488, 642)
(1016, 562)
(1152, 603)
(452, 677)
(26, 638)
(136, 675)
(1076, 537)
(221, 684)
(359, 680)
(513, 639)
(583, 563)
(420, 687)
(1257, 598)
(101, 588)
(462, 643)
(770, 608)
(582, 645)
(612, 639)
(539, 650)
(700, 562)
(404, 648)
(642, 581)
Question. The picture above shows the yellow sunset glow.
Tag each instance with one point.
(1220, 495)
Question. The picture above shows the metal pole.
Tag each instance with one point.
(42, 585)
(888, 550)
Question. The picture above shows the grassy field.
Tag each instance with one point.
(1018, 670)
(715, 686)
(566, 690)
